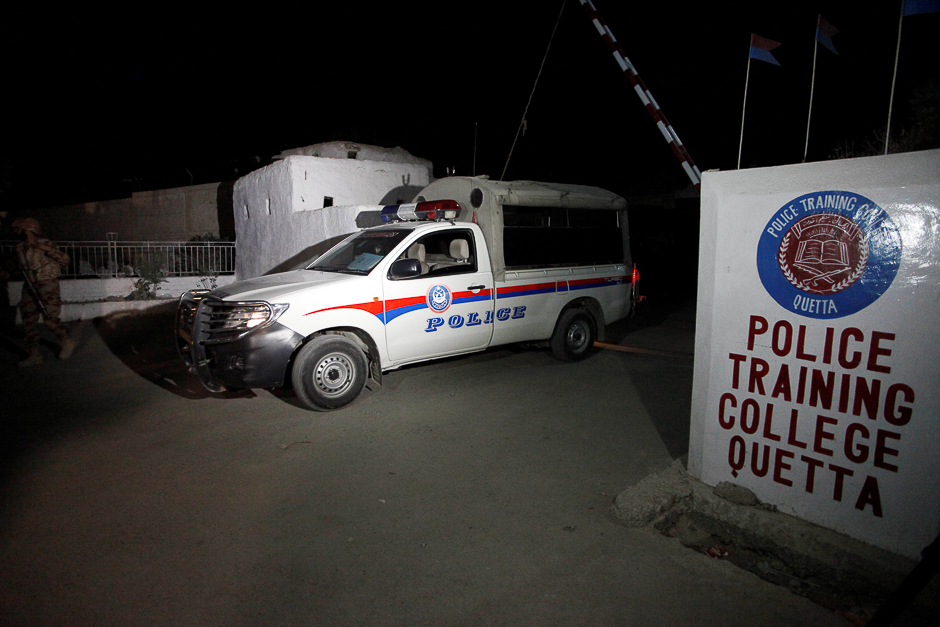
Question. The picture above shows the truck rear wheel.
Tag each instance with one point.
(329, 372)
(574, 335)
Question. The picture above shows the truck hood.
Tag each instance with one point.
(277, 287)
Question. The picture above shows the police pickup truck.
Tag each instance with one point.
(472, 263)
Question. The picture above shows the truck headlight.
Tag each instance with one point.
(224, 321)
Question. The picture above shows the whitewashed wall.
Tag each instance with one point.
(280, 218)
(85, 299)
(816, 358)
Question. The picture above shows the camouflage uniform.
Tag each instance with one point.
(42, 267)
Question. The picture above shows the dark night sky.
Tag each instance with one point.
(120, 104)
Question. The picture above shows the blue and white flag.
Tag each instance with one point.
(824, 34)
(918, 7)
(761, 47)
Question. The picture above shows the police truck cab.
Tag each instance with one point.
(471, 263)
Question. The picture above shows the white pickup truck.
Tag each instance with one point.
(472, 263)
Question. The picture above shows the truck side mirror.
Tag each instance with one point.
(405, 269)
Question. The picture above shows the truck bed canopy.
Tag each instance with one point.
(486, 202)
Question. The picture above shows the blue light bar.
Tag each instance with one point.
(434, 210)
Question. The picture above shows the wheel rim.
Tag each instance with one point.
(334, 374)
(577, 337)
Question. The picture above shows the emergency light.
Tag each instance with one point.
(428, 210)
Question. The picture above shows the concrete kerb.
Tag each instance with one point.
(732, 514)
(86, 299)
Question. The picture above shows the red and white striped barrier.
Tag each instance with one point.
(646, 97)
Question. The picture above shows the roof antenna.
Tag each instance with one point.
(523, 122)
(476, 128)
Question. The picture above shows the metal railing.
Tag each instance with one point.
(112, 259)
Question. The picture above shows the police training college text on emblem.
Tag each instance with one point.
(828, 254)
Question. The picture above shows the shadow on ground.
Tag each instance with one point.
(663, 381)
(145, 342)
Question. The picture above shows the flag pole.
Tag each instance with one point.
(743, 108)
(812, 87)
(760, 49)
(894, 78)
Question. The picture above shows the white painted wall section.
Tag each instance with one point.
(817, 340)
(85, 299)
(280, 218)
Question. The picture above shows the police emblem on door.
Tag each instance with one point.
(438, 298)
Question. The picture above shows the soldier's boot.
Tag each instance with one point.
(68, 347)
(33, 359)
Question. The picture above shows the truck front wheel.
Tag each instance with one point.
(574, 336)
(329, 372)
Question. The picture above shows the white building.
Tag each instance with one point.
(308, 199)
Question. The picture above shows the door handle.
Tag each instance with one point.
(476, 287)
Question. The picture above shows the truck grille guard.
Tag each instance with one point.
(203, 321)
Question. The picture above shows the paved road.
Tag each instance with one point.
(471, 491)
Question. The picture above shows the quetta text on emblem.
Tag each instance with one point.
(438, 298)
(828, 254)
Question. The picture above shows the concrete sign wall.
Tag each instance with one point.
(817, 358)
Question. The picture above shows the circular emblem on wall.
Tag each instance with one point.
(438, 298)
(828, 254)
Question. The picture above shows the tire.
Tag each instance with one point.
(574, 335)
(329, 372)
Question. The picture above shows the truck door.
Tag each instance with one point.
(446, 310)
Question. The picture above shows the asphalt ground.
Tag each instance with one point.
(468, 491)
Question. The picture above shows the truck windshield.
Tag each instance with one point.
(360, 254)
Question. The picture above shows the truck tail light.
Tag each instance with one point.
(635, 288)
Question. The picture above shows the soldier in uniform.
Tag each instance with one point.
(39, 260)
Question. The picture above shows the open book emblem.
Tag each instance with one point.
(823, 253)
